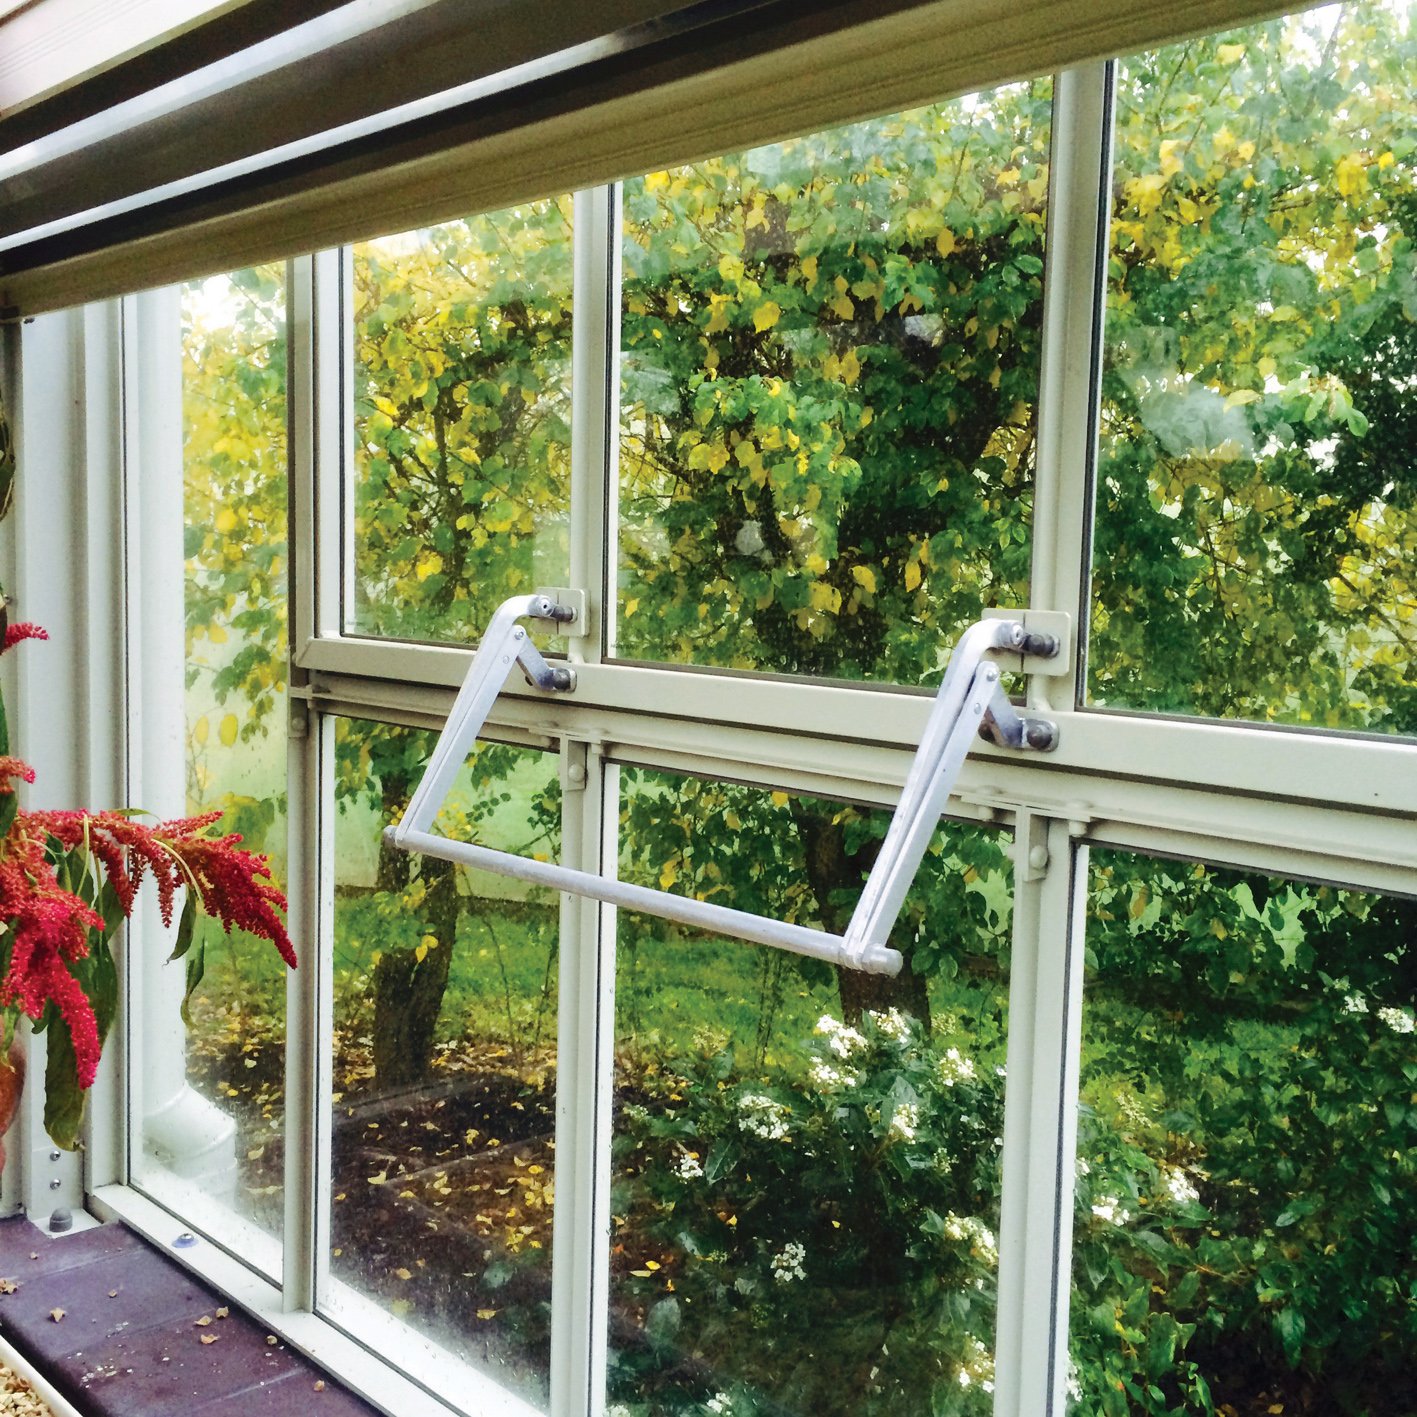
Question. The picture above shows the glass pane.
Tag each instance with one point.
(1246, 1172)
(462, 379)
(828, 392)
(444, 1056)
(806, 1177)
(1257, 489)
(224, 1131)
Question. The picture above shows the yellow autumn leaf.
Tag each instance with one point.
(487, 1313)
(865, 577)
(225, 520)
(1145, 192)
(631, 606)
(912, 574)
(766, 315)
(402, 1273)
(1352, 174)
(227, 731)
(429, 563)
(778, 799)
(668, 874)
(201, 730)
(945, 241)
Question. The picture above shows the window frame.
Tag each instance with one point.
(1310, 804)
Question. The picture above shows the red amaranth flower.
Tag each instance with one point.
(22, 630)
(46, 928)
(12, 768)
(178, 853)
(49, 929)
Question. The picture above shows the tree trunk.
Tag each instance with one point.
(408, 992)
(836, 876)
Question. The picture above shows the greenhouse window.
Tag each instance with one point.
(1124, 351)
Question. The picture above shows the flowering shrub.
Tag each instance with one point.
(1247, 1189)
(830, 1237)
(67, 879)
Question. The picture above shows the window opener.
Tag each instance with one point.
(969, 703)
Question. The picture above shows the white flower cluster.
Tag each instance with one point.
(893, 1024)
(1111, 1209)
(824, 1075)
(760, 1115)
(720, 1404)
(688, 1167)
(787, 1265)
(1354, 1004)
(1074, 1382)
(982, 1243)
(1182, 1190)
(618, 1410)
(904, 1121)
(978, 1367)
(955, 1067)
(842, 1040)
(1399, 1020)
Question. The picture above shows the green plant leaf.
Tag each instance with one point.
(196, 968)
(64, 1099)
(186, 926)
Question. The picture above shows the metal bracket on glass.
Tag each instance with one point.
(969, 702)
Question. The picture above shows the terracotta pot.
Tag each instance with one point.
(12, 1083)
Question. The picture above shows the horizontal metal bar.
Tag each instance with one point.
(1302, 766)
(700, 914)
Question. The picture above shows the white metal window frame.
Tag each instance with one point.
(1328, 807)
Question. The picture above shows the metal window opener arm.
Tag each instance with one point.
(969, 700)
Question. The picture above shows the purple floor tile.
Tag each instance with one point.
(167, 1370)
(147, 1291)
(128, 1343)
(19, 1240)
(293, 1396)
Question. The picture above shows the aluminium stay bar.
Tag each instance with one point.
(969, 703)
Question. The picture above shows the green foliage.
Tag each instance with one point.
(1254, 517)
(831, 362)
(826, 1239)
(462, 420)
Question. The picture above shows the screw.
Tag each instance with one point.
(55, 1184)
(54, 1155)
(184, 1241)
